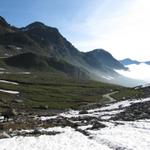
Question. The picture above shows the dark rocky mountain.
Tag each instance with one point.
(39, 38)
(38, 41)
(3, 22)
(100, 56)
(129, 61)
(34, 62)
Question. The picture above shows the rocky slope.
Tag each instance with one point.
(126, 120)
(48, 43)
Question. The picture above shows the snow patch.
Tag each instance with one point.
(18, 48)
(9, 91)
(119, 105)
(2, 69)
(146, 85)
(9, 82)
(44, 118)
(24, 73)
(2, 72)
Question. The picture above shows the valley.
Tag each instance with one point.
(92, 126)
(55, 97)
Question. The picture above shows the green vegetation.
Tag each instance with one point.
(127, 93)
(55, 91)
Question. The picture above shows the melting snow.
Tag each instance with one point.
(2, 68)
(130, 136)
(105, 112)
(146, 85)
(68, 140)
(127, 135)
(9, 82)
(43, 118)
(9, 91)
(121, 104)
(24, 72)
(6, 72)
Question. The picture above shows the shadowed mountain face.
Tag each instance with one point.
(41, 44)
(3, 22)
(100, 56)
(34, 62)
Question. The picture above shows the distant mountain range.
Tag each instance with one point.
(129, 61)
(40, 47)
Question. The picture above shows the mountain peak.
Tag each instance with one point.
(34, 25)
(38, 25)
(99, 50)
(128, 61)
(106, 58)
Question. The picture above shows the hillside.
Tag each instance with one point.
(34, 62)
(47, 42)
(100, 56)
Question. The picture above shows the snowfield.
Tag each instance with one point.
(105, 112)
(130, 136)
(117, 135)
(68, 140)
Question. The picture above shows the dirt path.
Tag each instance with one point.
(108, 96)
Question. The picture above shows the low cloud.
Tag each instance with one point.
(140, 72)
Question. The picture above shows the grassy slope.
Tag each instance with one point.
(128, 93)
(53, 90)
(56, 91)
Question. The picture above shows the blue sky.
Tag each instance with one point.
(119, 26)
(53, 12)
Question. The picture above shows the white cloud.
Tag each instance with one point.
(141, 72)
(121, 27)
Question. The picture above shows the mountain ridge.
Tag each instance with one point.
(45, 41)
(128, 61)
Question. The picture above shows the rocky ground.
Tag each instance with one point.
(118, 125)
(80, 120)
